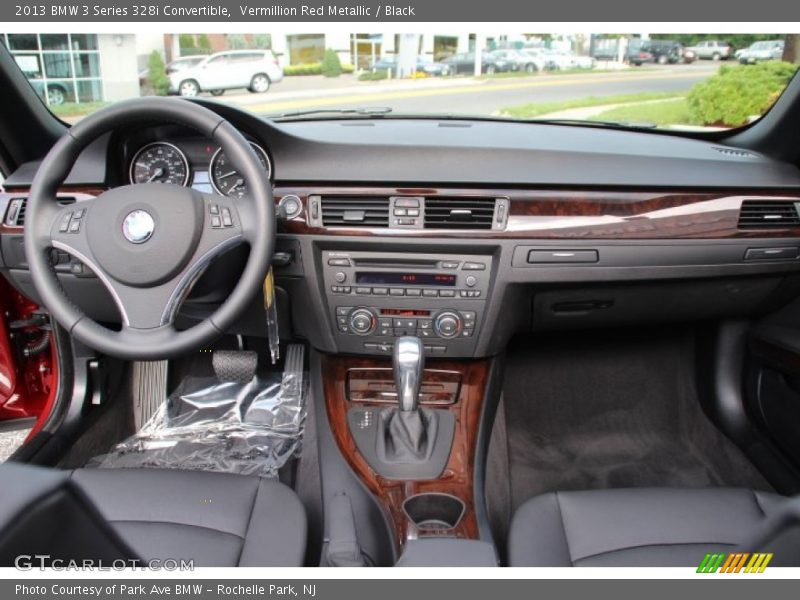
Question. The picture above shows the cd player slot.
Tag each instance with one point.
(396, 263)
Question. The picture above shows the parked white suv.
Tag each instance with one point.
(255, 70)
(713, 49)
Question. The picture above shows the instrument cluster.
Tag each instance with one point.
(192, 162)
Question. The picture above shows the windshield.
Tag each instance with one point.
(672, 81)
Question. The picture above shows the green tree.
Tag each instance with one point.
(157, 74)
(203, 43)
(331, 65)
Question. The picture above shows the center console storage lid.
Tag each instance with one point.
(448, 552)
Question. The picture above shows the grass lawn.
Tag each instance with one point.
(536, 109)
(73, 109)
(668, 112)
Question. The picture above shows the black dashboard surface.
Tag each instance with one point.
(404, 151)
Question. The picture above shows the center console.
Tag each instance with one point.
(376, 297)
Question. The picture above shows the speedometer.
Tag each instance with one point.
(160, 162)
(227, 180)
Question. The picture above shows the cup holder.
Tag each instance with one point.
(433, 511)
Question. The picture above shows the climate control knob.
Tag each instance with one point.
(448, 325)
(362, 321)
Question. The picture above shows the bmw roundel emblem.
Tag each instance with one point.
(138, 226)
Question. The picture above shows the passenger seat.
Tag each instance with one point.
(653, 527)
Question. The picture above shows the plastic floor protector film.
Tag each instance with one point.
(252, 428)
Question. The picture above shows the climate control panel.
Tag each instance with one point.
(434, 326)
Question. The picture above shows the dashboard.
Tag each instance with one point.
(465, 232)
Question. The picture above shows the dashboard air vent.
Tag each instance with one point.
(769, 214)
(15, 215)
(355, 211)
(459, 212)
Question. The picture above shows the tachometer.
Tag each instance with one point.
(160, 162)
(226, 180)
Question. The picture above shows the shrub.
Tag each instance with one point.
(186, 41)
(374, 75)
(313, 68)
(737, 93)
(331, 65)
(157, 75)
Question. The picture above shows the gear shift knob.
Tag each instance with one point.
(409, 362)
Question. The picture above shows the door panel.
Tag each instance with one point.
(28, 360)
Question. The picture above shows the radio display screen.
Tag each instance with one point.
(376, 278)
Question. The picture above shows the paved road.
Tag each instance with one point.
(468, 96)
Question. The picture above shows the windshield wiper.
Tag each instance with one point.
(364, 110)
(586, 123)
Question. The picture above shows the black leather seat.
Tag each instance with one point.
(661, 527)
(215, 519)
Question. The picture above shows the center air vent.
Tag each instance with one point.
(459, 213)
(355, 211)
(769, 214)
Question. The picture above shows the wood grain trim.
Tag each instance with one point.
(457, 478)
(573, 214)
(552, 214)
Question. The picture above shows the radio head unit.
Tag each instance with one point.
(374, 297)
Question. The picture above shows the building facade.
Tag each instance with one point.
(77, 67)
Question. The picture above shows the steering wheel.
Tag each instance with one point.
(148, 243)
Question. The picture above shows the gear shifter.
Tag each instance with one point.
(405, 441)
(409, 363)
(407, 431)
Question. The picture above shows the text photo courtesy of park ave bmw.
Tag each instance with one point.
(322, 300)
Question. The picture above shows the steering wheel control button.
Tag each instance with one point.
(74, 225)
(227, 220)
(137, 227)
(63, 225)
(213, 209)
(216, 222)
